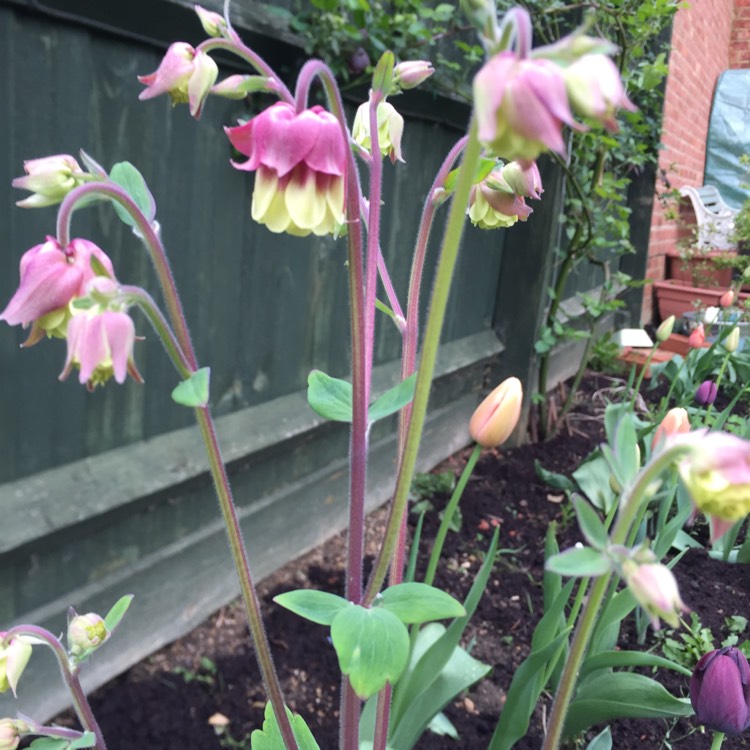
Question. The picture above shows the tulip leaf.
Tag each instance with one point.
(417, 602)
(393, 399)
(591, 525)
(579, 561)
(329, 397)
(372, 646)
(132, 182)
(602, 741)
(112, 620)
(609, 659)
(317, 606)
(608, 696)
(269, 737)
(194, 391)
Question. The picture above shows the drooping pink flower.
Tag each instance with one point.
(523, 179)
(595, 89)
(654, 587)
(185, 74)
(51, 277)
(390, 130)
(14, 657)
(521, 106)
(498, 200)
(300, 160)
(100, 344)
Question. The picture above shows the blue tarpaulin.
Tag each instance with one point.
(729, 137)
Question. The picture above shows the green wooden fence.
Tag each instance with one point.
(108, 493)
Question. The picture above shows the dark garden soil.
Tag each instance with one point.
(171, 701)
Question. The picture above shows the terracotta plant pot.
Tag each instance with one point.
(675, 298)
(699, 270)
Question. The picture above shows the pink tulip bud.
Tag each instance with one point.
(706, 393)
(300, 160)
(14, 657)
(497, 416)
(727, 298)
(675, 422)
(697, 337)
(655, 589)
(409, 74)
(184, 74)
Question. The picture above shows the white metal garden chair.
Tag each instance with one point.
(714, 218)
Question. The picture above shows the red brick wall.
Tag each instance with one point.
(739, 44)
(700, 52)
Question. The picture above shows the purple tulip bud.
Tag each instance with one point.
(720, 691)
(706, 393)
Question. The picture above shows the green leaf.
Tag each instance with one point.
(579, 561)
(591, 525)
(610, 696)
(609, 659)
(269, 738)
(329, 397)
(441, 725)
(602, 741)
(49, 743)
(318, 606)
(393, 400)
(593, 478)
(112, 620)
(458, 674)
(382, 77)
(87, 739)
(418, 602)
(554, 480)
(131, 180)
(194, 391)
(372, 646)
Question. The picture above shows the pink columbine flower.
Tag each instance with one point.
(494, 204)
(49, 179)
(300, 160)
(523, 179)
(51, 277)
(655, 589)
(716, 473)
(100, 344)
(521, 106)
(595, 89)
(184, 74)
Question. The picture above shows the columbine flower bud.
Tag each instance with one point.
(697, 337)
(238, 87)
(497, 416)
(409, 74)
(85, 634)
(523, 179)
(706, 393)
(213, 23)
(720, 691)
(732, 341)
(300, 160)
(664, 331)
(675, 422)
(390, 129)
(595, 89)
(13, 659)
(49, 179)
(10, 733)
(521, 107)
(655, 589)
(493, 204)
(716, 473)
(184, 74)
(727, 298)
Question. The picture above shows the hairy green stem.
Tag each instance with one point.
(630, 504)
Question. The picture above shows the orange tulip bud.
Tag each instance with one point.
(697, 337)
(676, 421)
(727, 298)
(497, 416)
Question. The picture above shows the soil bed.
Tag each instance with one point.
(167, 702)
